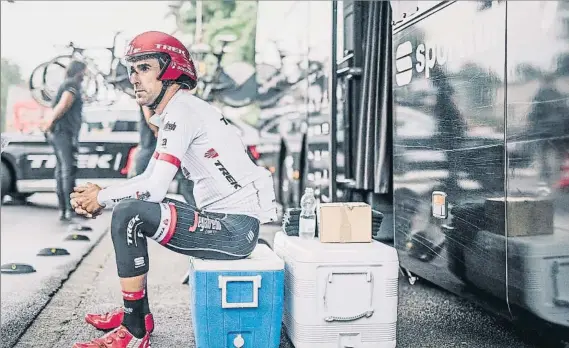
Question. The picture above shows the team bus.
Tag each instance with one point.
(480, 149)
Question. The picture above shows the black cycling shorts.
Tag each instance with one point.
(184, 229)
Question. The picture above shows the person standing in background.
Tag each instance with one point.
(62, 132)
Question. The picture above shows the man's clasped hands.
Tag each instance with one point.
(84, 200)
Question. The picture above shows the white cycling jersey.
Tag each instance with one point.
(194, 136)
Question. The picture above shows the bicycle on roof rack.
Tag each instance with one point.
(97, 85)
(238, 84)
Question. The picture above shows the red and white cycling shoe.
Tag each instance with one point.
(118, 338)
(113, 319)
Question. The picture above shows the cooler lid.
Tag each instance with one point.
(305, 250)
(261, 259)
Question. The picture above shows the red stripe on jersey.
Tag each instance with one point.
(172, 227)
(156, 154)
(170, 159)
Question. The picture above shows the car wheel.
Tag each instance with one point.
(6, 180)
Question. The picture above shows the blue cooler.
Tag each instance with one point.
(238, 304)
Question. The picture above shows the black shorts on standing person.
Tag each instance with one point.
(63, 134)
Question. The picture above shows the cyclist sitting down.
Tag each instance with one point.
(234, 195)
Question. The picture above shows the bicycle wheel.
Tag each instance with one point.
(54, 75)
(37, 87)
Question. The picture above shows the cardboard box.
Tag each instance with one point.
(344, 222)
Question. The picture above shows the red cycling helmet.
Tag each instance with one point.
(153, 43)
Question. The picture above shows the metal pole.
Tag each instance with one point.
(199, 21)
(333, 103)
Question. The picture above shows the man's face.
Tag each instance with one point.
(144, 78)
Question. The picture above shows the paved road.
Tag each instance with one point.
(428, 316)
(25, 231)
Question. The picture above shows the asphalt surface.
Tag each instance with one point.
(25, 231)
(428, 315)
(94, 288)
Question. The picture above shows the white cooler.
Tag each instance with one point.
(339, 295)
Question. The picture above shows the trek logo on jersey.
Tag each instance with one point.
(169, 126)
(227, 175)
(211, 153)
(203, 223)
(117, 200)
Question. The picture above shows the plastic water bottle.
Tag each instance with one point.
(307, 222)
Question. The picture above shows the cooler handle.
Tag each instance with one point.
(368, 313)
(223, 280)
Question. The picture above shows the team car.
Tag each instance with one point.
(108, 145)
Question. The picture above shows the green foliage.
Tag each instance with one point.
(225, 17)
(10, 75)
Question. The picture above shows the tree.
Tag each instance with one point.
(10, 75)
(223, 17)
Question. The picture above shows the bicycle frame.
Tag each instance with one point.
(78, 53)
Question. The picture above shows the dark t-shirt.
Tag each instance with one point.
(71, 120)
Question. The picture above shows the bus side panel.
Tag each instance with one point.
(449, 76)
(538, 131)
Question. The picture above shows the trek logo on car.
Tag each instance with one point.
(84, 161)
